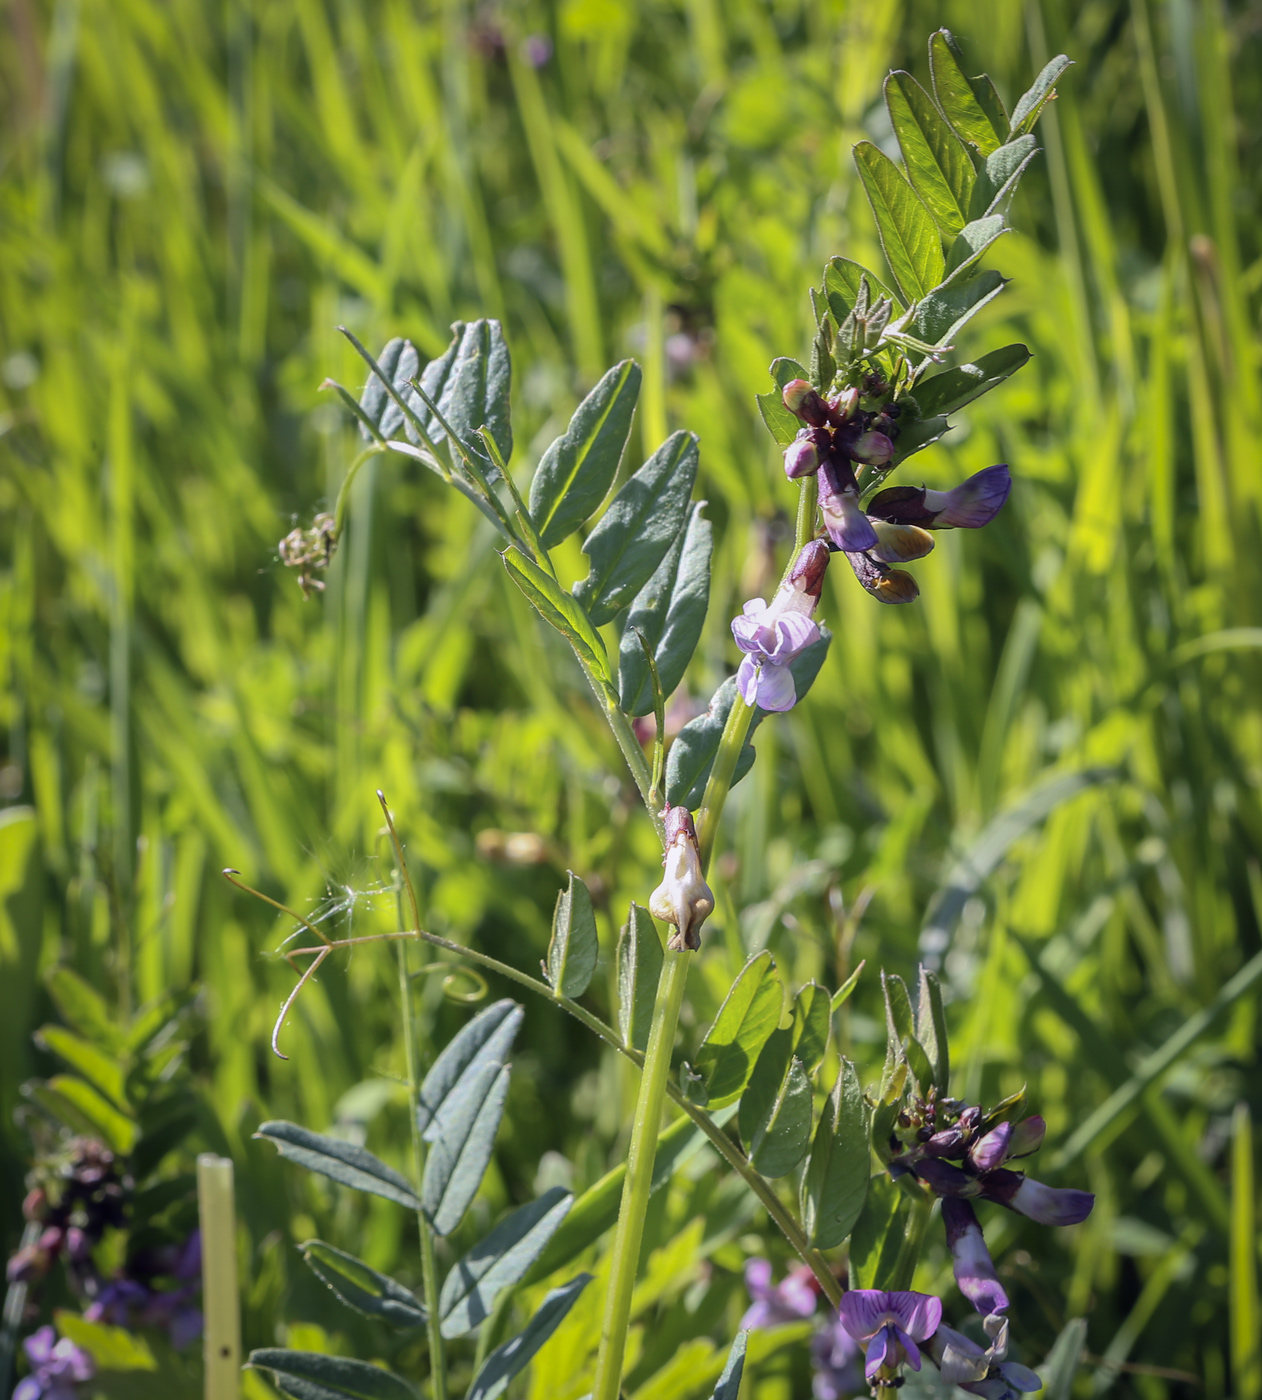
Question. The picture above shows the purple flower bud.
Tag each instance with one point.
(848, 528)
(843, 407)
(950, 1142)
(1046, 1204)
(801, 457)
(873, 448)
(1027, 1137)
(944, 1179)
(807, 574)
(970, 1259)
(991, 1151)
(804, 402)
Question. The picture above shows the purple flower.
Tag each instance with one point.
(790, 1300)
(838, 1362)
(970, 1259)
(970, 505)
(773, 635)
(981, 1371)
(848, 527)
(1046, 1204)
(889, 1325)
(57, 1367)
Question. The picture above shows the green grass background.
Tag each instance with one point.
(1059, 734)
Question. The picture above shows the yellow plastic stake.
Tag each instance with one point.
(220, 1304)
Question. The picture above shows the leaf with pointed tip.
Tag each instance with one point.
(906, 229)
(947, 309)
(915, 437)
(931, 1031)
(835, 1183)
(776, 1108)
(729, 1386)
(363, 1288)
(459, 1157)
(749, 1014)
(669, 612)
(341, 1161)
(498, 1262)
(691, 756)
(812, 1019)
(843, 280)
(1027, 110)
(78, 1105)
(573, 948)
(945, 393)
(966, 104)
(559, 608)
(781, 424)
(635, 533)
(100, 1069)
(471, 384)
(639, 968)
(578, 469)
(486, 1039)
(998, 179)
(315, 1375)
(974, 240)
(507, 1360)
(937, 164)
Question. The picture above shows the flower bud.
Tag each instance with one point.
(990, 1151)
(1027, 1136)
(807, 573)
(683, 898)
(801, 457)
(873, 448)
(844, 406)
(802, 400)
(35, 1204)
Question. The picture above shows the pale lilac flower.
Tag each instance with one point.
(981, 1371)
(889, 1325)
(847, 525)
(790, 1300)
(970, 1259)
(838, 1362)
(773, 635)
(57, 1367)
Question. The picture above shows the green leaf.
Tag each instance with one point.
(559, 608)
(835, 1183)
(729, 1386)
(1061, 1366)
(111, 1348)
(80, 1107)
(639, 968)
(945, 393)
(692, 754)
(486, 1039)
(634, 534)
(669, 611)
(471, 385)
(506, 1361)
(315, 1375)
(776, 1108)
(98, 1068)
(781, 424)
(998, 179)
(906, 229)
(931, 1030)
(937, 165)
(363, 1288)
(596, 1210)
(812, 1019)
(970, 106)
(84, 1008)
(916, 436)
(877, 1235)
(843, 993)
(343, 1162)
(465, 1139)
(399, 362)
(574, 948)
(749, 1014)
(578, 469)
(972, 243)
(947, 309)
(499, 1261)
(1027, 110)
(842, 282)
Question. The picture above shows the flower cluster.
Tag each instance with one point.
(81, 1198)
(138, 1300)
(57, 1367)
(306, 550)
(895, 525)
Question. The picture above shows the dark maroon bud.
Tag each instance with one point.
(843, 408)
(873, 448)
(943, 1179)
(807, 574)
(802, 400)
(971, 1119)
(950, 1142)
(801, 457)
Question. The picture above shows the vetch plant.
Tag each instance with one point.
(874, 393)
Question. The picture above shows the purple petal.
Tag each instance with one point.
(749, 630)
(758, 1278)
(1027, 1137)
(1020, 1377)
(901, 505)
(970, 1259)
(775, 690)
(847, 526)
(947, 1180)
(794, 632)
(972, 503)
(959, 1358)
(918, 1313)
(863, 1312)
(28, 1389)
(882, 1351)
(910, 1350)
(39, 1345)
(186, 1327)
(989, 1152)
(1050, 1206)
(883, 583)
(747, 679)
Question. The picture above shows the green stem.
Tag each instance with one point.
(344, 492)
(638, 1182)
(429, 1266)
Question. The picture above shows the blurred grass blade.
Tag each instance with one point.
(361, 1287)
(1061, 1366)
(1246, 1317)
(339, 1160)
